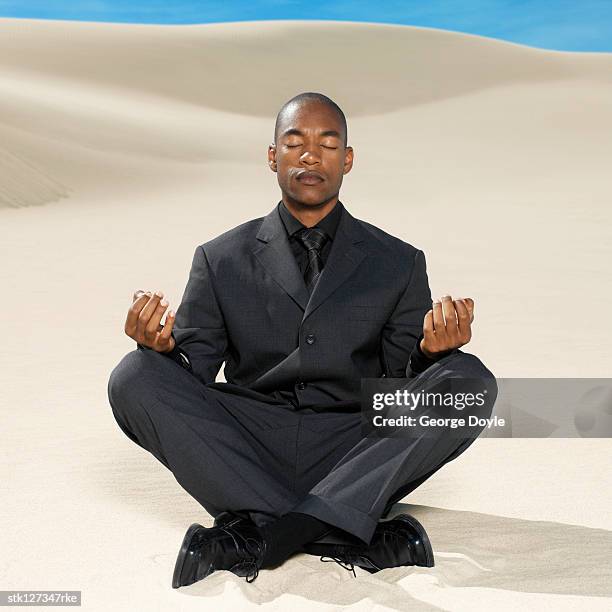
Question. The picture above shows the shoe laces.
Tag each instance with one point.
(347, 565)
(250, 562)
(253, 570)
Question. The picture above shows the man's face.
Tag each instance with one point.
(309, 155)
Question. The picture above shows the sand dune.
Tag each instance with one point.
(187, 93)
(122, 147)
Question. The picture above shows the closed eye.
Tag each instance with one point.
(299, 145)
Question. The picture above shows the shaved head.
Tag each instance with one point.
(309, 97)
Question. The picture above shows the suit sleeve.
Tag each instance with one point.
(419, 362)
(179, 355)
(404, 329)
(176, 354)
(199, 328)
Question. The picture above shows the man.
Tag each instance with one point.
(300, 305)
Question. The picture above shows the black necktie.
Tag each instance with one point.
(313, 239)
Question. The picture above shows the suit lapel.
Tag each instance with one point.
(277, 258)
(344, 257)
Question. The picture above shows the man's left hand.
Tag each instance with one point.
(447, 325)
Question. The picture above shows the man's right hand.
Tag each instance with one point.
(143, 321)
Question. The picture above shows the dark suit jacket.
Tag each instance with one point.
(246, 303)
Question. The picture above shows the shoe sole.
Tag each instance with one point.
(180, 560)
(410, 520)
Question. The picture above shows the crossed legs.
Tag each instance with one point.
(265, 460)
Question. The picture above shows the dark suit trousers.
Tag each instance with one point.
(263, 458)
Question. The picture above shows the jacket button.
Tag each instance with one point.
(301, 386)
(310, 339)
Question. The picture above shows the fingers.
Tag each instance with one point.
(151, 315)
(450, 317)
(144, 317)
(141, 299)
(448, 324)
(464, 322)
(428, 323)
(428, 328)
(428, 343)
(469, 302)
(166, 332)
(438, 317)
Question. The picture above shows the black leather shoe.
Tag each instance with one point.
(396, 542)
(229, 518)
(236, 547)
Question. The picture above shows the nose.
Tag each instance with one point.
(309, 157)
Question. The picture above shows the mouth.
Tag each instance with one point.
(309, 178)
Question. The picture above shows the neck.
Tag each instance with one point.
(309, 214)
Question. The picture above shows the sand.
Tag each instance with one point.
(123, 147)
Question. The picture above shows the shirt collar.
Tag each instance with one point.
(329, 223)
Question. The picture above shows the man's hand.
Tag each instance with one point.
(143, 321)
(447, 325)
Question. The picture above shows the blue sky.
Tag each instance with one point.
(579, 25)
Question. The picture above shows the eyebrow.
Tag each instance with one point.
(296, 132)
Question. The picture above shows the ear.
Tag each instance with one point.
(348, 160)
(272, 157)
